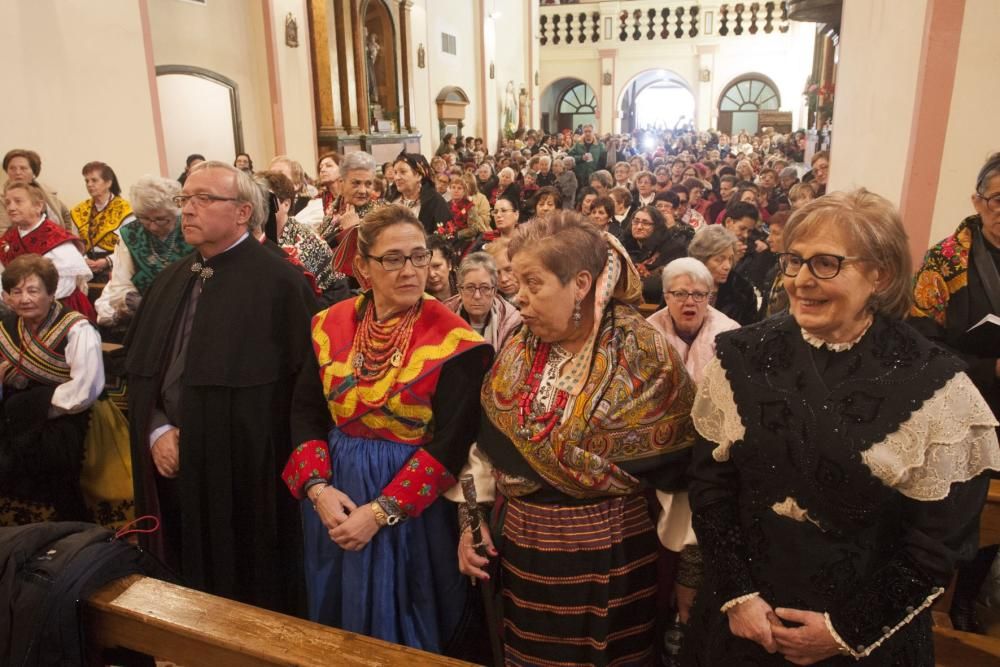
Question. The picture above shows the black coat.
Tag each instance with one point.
(737, 299)
(433, 208)
(228, 521)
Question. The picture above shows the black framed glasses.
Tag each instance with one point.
(992, 202)
(395, 261)
(682, 295)
(200, 199)
(823, 266)
(476, 290)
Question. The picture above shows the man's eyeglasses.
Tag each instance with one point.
(477, 290)
(992, 202)
(395, 261)
(682, 295)
(201, 199)
(822, 266)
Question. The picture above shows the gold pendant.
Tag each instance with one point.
(397, 359)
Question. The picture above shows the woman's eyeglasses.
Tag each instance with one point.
(395, 262)
(682, 295)
(476, 290)
(823, 266)
(992, 202)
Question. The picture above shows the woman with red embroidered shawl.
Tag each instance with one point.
(32, 231)
(585, 409)
(51, 372)
(385, 414)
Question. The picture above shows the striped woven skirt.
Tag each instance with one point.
(579, 583)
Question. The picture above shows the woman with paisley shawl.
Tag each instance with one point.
(839, 471)
(385, 413)
(957, 286)
(586, 408)
(51, 373)
(148, 246)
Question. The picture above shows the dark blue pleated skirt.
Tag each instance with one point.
(404, 587)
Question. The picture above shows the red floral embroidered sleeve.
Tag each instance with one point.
(309, 460)
(419, 483)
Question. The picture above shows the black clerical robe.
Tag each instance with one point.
(228, 524)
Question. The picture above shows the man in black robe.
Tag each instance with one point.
(211, 359)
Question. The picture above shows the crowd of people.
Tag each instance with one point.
(702, 411)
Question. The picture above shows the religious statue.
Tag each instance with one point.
(372, 48)
(509, 110)
(522, 109)
(291, 31)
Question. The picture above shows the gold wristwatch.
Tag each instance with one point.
(381, 518)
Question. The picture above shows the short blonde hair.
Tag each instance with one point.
(873, 230)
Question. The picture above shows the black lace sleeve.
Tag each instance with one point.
(939, 535)
(715, 519)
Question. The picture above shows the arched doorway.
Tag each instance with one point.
(568, 103)
(658, 99)
(743, 99)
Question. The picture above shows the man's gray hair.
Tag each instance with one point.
(478, 260)
(690, 267)
(357, 161)
(247, 191)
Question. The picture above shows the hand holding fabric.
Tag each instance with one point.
(807, 644)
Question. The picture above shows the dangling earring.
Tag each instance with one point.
(577, 315)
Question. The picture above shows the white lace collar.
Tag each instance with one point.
(819, 343)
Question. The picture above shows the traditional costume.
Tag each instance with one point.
(572, 442)
(344, 242)
(308, 248)
(136, 261)
(51, 241)
(97, 227)
(399, 434)
(50, 378)
(843, 479)
(213, 351)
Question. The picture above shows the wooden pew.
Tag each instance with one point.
(964, 649)
(191, 628)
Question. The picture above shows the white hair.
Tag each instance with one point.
(690, 267)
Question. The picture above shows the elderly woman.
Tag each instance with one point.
(715, 247)
(485, 180)
(957, 287)
(479, 304)
(415, 190)
(651, 247)
(506, 187)
(24, 166)
(32, 232)
(584, 409)
(98, 218)
(51, 372)
(838, 474)
(146, 249)
(339, 229)
(386, 411)
(562, 169)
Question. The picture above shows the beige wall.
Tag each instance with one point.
(226, 37)
(78, 89)
(295, 84)
(880, 49)
(973, 133)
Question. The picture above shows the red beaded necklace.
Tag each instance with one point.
(525, 416)
(380, 346)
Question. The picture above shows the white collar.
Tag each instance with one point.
(819, 343)
(25, 232)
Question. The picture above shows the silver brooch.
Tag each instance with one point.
(204, 272)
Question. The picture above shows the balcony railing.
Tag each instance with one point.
(561, 26)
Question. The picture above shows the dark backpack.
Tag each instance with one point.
(46, 569)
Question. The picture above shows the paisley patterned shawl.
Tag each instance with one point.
(34, 356)
(406, 415)
(97, 229)
(151, 255)
(630, 397)
(944, 273)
